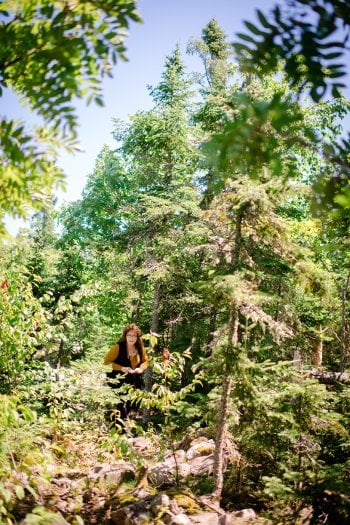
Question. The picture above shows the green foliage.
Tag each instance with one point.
(159, 143)
(305, 35)
(221, 256)
(103, 212)
(43, 516)
(52, 52)
(215, 40)
(214, 51)
(261, 139)
(13, 415)
(332, 190)
(173, 90)
(283, 424)
(310, 38)
(76, 43)
(23, 326)
(68, 395)
(168, 395)
(30, 154)
(17, 454)
(58, 273)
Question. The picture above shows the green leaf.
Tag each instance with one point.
(99, 101)
(254, 29)
(248, 38)
(264, 20)
(19, 492)
(330, 56)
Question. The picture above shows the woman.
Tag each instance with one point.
(129, 360)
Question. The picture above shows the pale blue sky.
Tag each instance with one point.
(165, 24)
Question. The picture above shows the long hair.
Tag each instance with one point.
(139, 343)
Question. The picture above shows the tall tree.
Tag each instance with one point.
(100, 217)
(215, 88)
(253, 254)
(159, 147)
(135, 208)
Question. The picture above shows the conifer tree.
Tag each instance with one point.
(158, 146)
(215, 88)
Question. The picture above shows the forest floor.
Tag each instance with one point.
(72, 463)
(129, 476)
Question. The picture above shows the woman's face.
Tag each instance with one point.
(131, 337)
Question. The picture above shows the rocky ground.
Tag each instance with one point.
(137, 491)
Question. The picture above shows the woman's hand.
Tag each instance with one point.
(126, 369)
(137, 371)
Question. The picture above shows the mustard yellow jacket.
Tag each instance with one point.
(135, 360)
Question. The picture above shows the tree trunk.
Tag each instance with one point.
(212, 328)
(345, 328)
(153, 329)
(221, 428)
(297, 359)
(236, 254)
(317, 349)
(147, 375)
(155, 308)
(218, 471)
(328, 378)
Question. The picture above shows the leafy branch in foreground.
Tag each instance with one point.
(311, 36)
(52, 52)
(310, 39)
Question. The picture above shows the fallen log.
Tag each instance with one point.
(328, 377)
